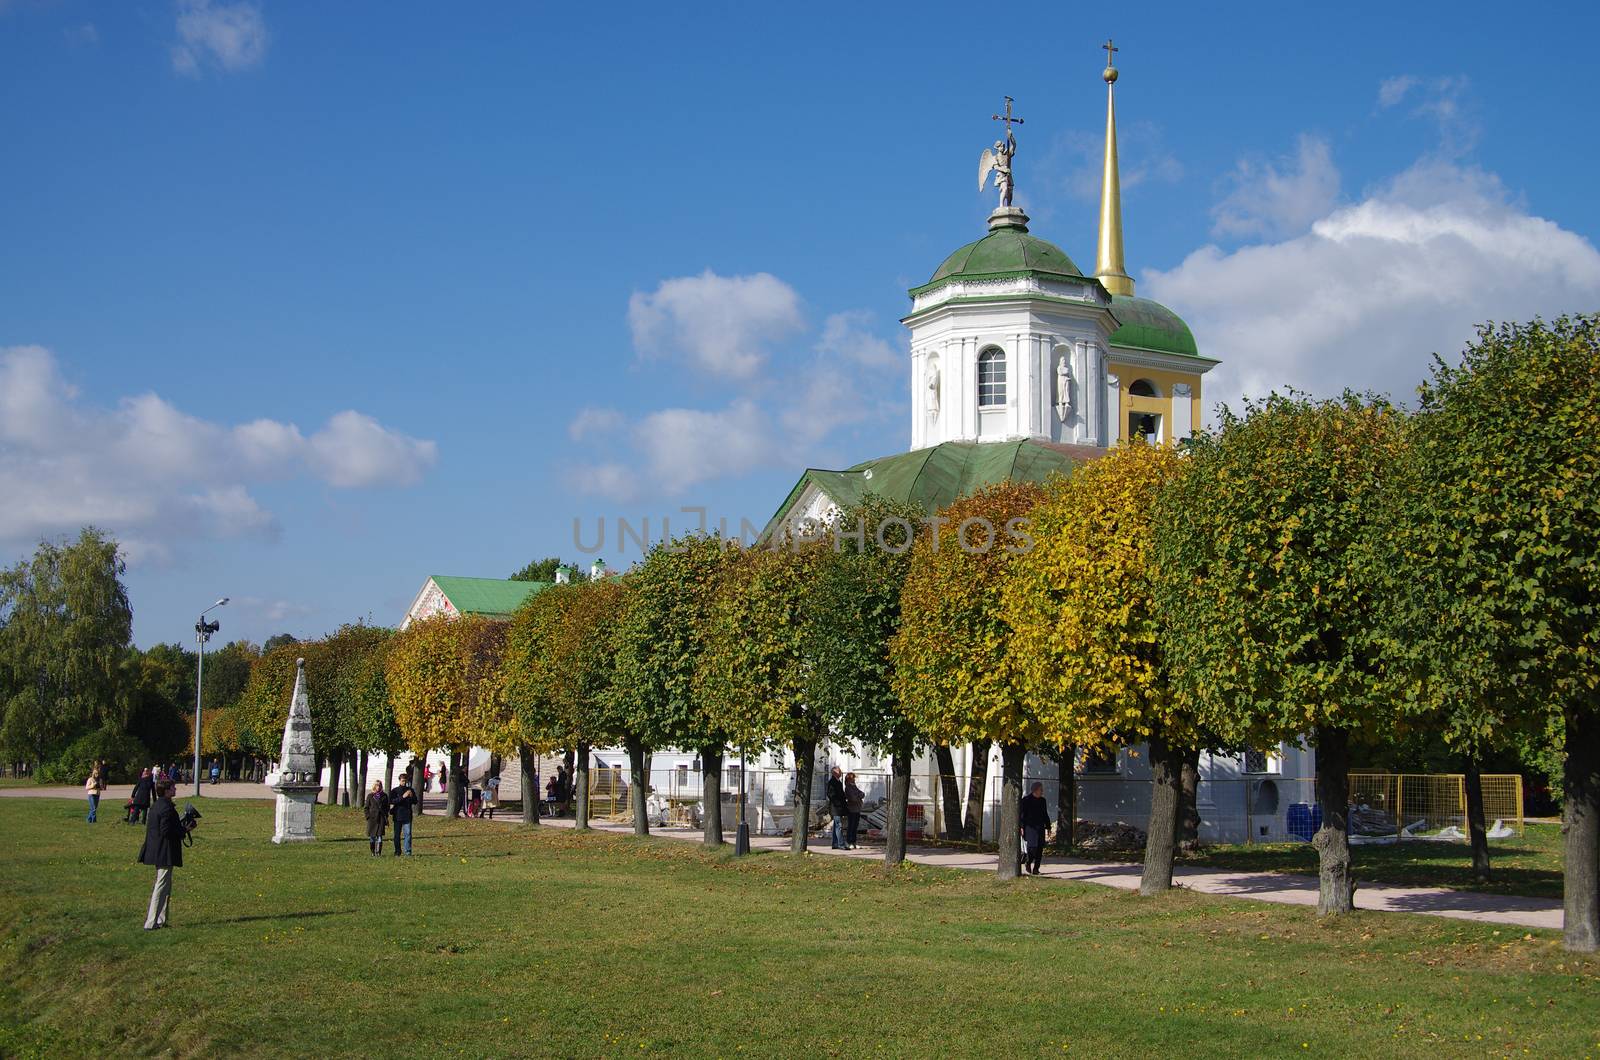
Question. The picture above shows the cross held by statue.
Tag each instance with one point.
(1006, 117)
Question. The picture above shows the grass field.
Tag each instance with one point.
(496, 941)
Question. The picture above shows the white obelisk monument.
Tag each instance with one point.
(299, 779)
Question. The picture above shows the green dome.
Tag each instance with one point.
(1148, 325)
(1004, 252)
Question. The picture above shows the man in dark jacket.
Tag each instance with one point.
(837, 802)
(143, 791)
(163, 850)
(1034, 816)
(401, 800)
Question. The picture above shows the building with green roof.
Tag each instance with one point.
(490, 597)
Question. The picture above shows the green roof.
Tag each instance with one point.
(1007, 251)
(1148, 325)
(493, 597)
(934, 477)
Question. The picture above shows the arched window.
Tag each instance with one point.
(1143, 388)
(991, 377)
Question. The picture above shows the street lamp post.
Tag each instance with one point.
(202, 633)
(741, 837)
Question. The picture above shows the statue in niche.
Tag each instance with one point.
(1063, 387)
(932, 383)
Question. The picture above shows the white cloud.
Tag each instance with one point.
(1441, 100)
(1372, 290)
(595, 421)
(356, 450)
(1281, 197)
(849, 335)
(720, 324)
(154, 475)
(229, 37)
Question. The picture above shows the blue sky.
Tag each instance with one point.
(305, 302)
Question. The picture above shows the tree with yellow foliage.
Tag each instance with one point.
(955, 674)
(1086, 634)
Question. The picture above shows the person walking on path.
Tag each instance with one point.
(427, 776)
(377, 811)
(491, 796)
(854, 799)
(93, 785)
(144, 790)
(1034, 817)
(163, 850)
(401, 800)
(836, 802)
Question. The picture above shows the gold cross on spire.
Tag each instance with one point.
(1111, 50)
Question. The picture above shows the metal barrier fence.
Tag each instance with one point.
(1110, 809)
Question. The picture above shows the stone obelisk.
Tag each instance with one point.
(299, 779)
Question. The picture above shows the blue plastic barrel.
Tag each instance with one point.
(1304, 820)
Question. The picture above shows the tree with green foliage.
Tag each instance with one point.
(1266, 550)
(159, 684)
(584, 653)
(530, 680)
(955, 672)
(65, 629)
(754, 672)
(263, 707)
(1087, 637)
(1503, 544)
(659, 641)
(353, 686)
(544, 570)
(851, 613)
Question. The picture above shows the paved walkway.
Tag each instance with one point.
(1281, 887)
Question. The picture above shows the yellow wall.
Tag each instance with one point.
(1127, 375)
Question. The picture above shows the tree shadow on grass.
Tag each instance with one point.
(286, 915)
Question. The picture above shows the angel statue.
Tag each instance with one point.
(998, 159)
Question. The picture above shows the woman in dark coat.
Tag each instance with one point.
(163, 851)
(377, 810)
(1034, 817)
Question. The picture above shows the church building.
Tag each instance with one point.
(1021, 365)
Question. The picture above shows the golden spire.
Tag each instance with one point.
(1108, 266)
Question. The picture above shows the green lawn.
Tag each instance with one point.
(495, 941)
(1529, 864)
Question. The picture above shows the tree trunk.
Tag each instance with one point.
(580, 786)
(949, 790)
(1475, 824)
(415, 772)
(977, 790)
(335, 760)
(711, 794)
(1580, 823)
(1337, 885)
(1189, 804)
(638, 783)
(388, 768)
(352, 780)
(1012, 758)
(894, 851)
(1066, 797)
(805, 760)
(453, 787)
(1161, 838)
(528, 762)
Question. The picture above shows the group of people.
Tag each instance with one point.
(396, 805)
(845, 799)
(558, 789)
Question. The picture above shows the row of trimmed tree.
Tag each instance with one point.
(1341, 571)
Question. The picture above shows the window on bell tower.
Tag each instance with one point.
(991, 377)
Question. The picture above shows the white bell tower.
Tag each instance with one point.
(1009, 340)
